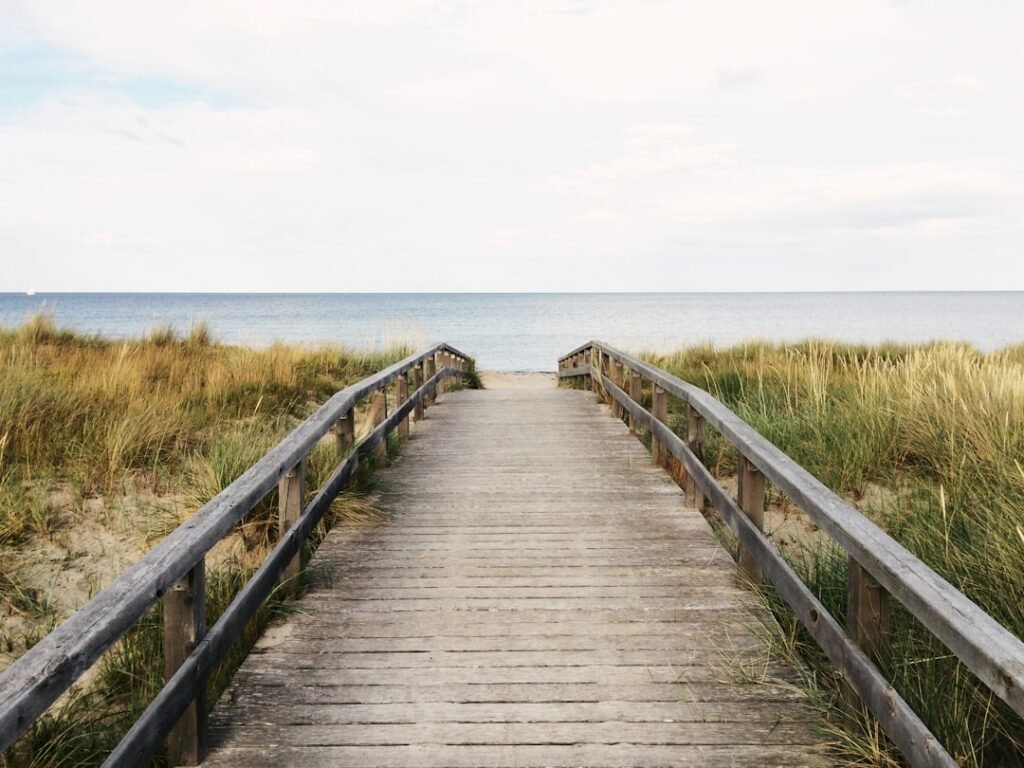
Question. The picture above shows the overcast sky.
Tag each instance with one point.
(489, 146)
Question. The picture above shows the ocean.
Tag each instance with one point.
(528, 332)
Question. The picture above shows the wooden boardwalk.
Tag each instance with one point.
(537, 594)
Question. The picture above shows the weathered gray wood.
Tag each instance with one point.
(184, 627)
(291, 494)
(896, 717)
(988, 649)
(145, 735)
(695, 441)
(751, 500)
(617, 377)
(636, 391)
(869, 614)
(345, 432)
(48, 669)
(659, 409)
(431, 371)
(379, 412)
(417, 382)
(401, 396)
(620, 755)
(528, 559)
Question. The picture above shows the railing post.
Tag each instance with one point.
(869, 613)
(291, 493)
(417, 382)
(184, 627)
(431, 397)
(618, 380)
(636, 393)
(345, 432)
(379, 412)
(604, 362)
(588, 383)
(659, 409)
(695, 441)
(751, 499)
(400, 398)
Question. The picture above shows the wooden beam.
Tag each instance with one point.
(431, 397)
(184, 627)
(659, 409)
(751, 501)
(869, 612)
(695, 441)
(345, 432)
(417, 382)
(636, 393)
(401, 396)
(378, 413)
(291, 493)
(618, 378)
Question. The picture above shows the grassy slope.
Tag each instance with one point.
(89, 426)
(941, 428)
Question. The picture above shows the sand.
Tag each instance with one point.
(518, 380)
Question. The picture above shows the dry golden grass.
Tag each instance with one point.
(90, 424)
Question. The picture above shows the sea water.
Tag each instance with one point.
(529, 331)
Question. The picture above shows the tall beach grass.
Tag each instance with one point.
(927, 440)
(86, 422)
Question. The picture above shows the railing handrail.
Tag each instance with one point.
(40, 676)
(987, 648)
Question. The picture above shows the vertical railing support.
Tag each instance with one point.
(588, 383)
(751, 500)
(636, 393)
(603, 366)
(869, 613)
(619, 381)
(184, 627)
(379, 412)
(291, 492)
(659, 410)
(345, 432)
(431, 397)
(695, 441)
(417, 382)
(401, 396)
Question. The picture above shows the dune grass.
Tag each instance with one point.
(85, 420)
(927, 440)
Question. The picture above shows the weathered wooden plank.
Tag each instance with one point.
(50, 667)
(987, 648)
(623, 755)
(268, 709)
(736, 696)
(531, 563)
(896, 717)
(299, 734)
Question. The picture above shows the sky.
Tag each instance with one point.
(539, 145)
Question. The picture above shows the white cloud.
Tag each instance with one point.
(966, 83)
(493, 146)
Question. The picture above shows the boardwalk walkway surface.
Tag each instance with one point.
(537, 594)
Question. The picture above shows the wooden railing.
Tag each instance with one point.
(173, 571)
(879, 567)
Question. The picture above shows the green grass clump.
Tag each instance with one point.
(940, 427)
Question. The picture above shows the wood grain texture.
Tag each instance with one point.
(987, 648)
(48, 669)
(535, 594)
